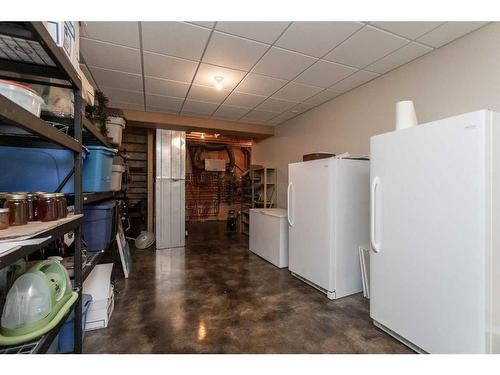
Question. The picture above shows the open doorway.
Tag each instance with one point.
(218, 185)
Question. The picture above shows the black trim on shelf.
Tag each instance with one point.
(13, 114)
(87, 269)
(90, 198)
(54, 233)
(90, 126)
(36, 31)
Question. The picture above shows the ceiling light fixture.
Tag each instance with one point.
(218, 82)
(202, 135)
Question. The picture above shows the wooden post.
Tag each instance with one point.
(150, 180)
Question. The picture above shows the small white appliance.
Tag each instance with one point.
(269, 235)
(435, 215)
(328, 217)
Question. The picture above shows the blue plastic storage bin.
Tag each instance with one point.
(66, 340)
(97, 169)
(43, 169)
(97, 225)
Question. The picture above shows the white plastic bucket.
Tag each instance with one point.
(115, 126)
(116, 177)
(22, 95)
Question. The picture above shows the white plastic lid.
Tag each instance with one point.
(28, 301)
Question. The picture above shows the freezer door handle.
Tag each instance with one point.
(289, 204)
(374, 225)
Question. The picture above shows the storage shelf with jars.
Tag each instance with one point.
(22, 126)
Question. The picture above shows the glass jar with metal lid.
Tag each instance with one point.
(17, 203)
(47, 207)
(62, 206)
(4, 218)
(31, 198)
(35, 202)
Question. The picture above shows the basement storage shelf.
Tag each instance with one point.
(34, 58)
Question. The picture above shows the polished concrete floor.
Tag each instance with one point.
(216, 297)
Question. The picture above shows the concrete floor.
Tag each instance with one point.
(215, 296)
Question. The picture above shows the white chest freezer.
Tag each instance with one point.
(269, 235)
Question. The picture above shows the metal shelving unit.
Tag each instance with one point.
(35, 58)
(263, 187)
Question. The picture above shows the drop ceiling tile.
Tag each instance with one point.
(260, 85)
(233, 52)
(229, 112)
(448, 32)
(258, 116)
(165, 103)
(324, 74)
(275, 105)
(123, 33)
(122, 105)
(321, 97)
(110, 56)
(125, 96)
(207, 94)
(296, 92)
(301, 108)
(316, 38)
(208, 24)
(357, 79)
(168, 67)
(199, 108)
(365, 47)
(410, 30)
(166, 87)
(243, 100)
(280, 63)
(118, 80)
(281, 118)
(207, 72)
(261, 31)
(400, 57)
(177, 39)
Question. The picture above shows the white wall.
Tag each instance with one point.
(460, 77)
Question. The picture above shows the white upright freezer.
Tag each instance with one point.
(269, 235)
(435, 237)
(328, 217)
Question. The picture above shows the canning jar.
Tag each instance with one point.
(30, 197)
(4, 218)
(62, 206)
(17, 204)
(47, 207)
(35, 202)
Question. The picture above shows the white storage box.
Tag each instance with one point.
(98, 285)
(66, 34)
(100, 311)
(269, 235)
(218, 165)
(115, 126)
(116, 177)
